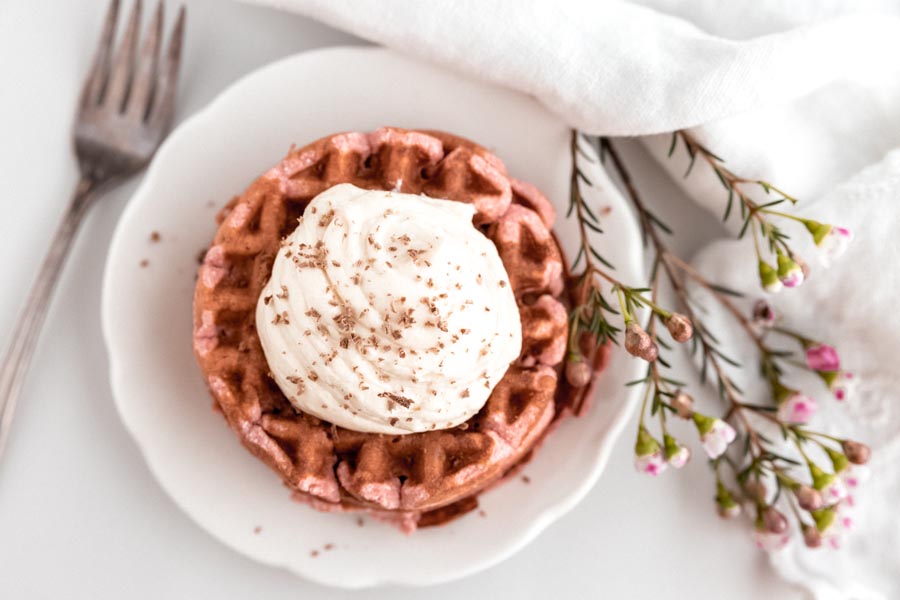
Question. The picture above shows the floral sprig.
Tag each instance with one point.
(755, 473)
(760, 219)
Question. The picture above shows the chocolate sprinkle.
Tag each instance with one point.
(401, 400)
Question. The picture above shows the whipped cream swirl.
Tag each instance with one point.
(388, 312)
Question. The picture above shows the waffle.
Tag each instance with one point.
(413, 480)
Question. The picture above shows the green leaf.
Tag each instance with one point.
(578, 258)
(722, 179)
(659, 223)
(673, 144)
(710, 153)
(744, 227)
(601, 259)
(729, 205)
(590, 225)
(690, 164)
(725, 290)
(580, 175)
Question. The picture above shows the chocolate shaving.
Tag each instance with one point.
(401, 400)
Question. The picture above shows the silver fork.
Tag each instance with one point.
(125, 111)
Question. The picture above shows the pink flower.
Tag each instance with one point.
(835, 491)
(843, 385)
(652, 464)
(770, 542)
(833, 245)
(797, 408)
(789, 272)
(822, 357)
(680, 457)
(836, 533)
(648, 455)
(854, 476)
(715, 434)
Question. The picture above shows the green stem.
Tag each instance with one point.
(785, 215)
(766, 184)
(626, 316)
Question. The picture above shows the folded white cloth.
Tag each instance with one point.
(803, 93)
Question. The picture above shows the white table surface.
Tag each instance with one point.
(81, 516)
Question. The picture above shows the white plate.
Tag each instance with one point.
(147, 317)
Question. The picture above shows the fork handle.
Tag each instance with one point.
(28, 326)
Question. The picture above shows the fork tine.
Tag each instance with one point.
(145, 76)
(123, 66)
(164, 98)
(96, 79)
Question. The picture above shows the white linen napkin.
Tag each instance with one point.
(804, 94)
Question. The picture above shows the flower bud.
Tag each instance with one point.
(729, 511)
(856, 452)
(725, 503)
(833, 488)
(683, 405)
(680, 327)
(831, 241)
(636, 339)
(841, 383)
(796, 408)
(789, 271)
(763, 314)
(774, 521)
(822, 357)
(648, 456)
(756, 490)
(811, 537)
(715, 434)
(809, 498)
(651, 353)
(676, 455)
(768, 276)
(578, 373)
(824, 518)
(838, 460)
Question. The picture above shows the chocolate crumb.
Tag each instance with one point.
(329, 547)
(144, 263)
(360, 521)
(257, 529)
(481, 513)
(526, 479)
(401, 400)
(155, 237)
(393, 421)
(314, 553)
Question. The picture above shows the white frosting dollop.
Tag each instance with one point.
(388, 312)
